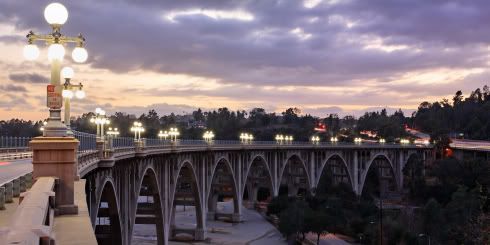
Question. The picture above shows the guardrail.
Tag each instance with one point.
(33, 220)
(14, 142)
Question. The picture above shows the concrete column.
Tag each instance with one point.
(356, 172)
(312, 171)
(23, 187)
(2, 198)
(56, 157)
(238, 182)
(9, 194)
(16, 187)
(275, 184)
(399, 171)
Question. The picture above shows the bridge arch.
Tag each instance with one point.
(107, 223)
(386, 159)
(186, 167)
(257, 162)
(286, 163)
(224, 163)
(325, 164)
(148, 185)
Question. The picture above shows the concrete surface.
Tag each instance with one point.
(75, 229)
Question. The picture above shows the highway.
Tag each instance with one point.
(10, 169)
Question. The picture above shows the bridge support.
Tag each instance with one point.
(56, 157)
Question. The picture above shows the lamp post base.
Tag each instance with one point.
(54, 127)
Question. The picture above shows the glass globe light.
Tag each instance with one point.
(79, 54)
(67, 93)
(80, 94)
(67, 72)
(56, 14)
(56, 51)
(102, 112)
(97, 110)
(31, 52)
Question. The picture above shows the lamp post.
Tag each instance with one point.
(174, 132)
(100, 120)
(315, 139)
(208, 136)
(288, 139)
(112, 133)
(163, 134)
(56, 15)
(68, 91)
(246, 138)
(137, 129)
(334, 139)
(358, 140)
(382, 141)
(279, 138)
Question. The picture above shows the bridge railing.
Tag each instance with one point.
(87, 141)
(33, 220)
(14, 142)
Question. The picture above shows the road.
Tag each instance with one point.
(10, 169)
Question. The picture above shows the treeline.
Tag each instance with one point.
(469, 116)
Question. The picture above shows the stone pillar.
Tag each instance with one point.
(9, 194)
(99, 146)
(199, 234)
(2, 198)
(16, 187)
(56, 157)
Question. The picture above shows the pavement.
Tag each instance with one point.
(10, 169)
(254, 230)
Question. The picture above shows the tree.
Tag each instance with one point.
(291, 220)
(316, 222)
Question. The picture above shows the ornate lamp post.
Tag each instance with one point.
(279, 138)
(334, 139)
(382, 141)
(315, 139)
(358, 140)
(288, 139)
(69, 91)
(137, 129)
(246, 138)
(163, 134)
(100, 120)
(174, 132)
(56, 15)
(208, 136)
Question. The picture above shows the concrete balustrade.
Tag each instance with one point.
(9, 194)
(2, 198)
(28, 178)
(16, 187)
(22, 183)
(32, 221)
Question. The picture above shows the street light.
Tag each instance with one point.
(100, 120)
(382, 141)
(56, 15)
(288, 139)
(174, 132)
(208, 136)
(44, 125)
(137, 128)
(113, 132)
(68, 91)
(404, 141)
(358, 140)
(279, 138)
(246, 137)
(334, 139)
(163, 134)
(315, 139)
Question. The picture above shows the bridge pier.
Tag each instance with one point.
(56, 157)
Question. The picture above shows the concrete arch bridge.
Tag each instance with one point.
(147, 183)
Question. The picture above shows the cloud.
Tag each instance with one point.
(12, 88)
(28, 78)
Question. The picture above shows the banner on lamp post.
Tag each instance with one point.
(54, 99)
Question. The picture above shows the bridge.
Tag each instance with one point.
(131, 182)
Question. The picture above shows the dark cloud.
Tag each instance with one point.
(12, 88)
(28, 78)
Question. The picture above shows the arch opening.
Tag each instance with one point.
(186, 219)
(107, 222)
(413, 175)
(222, 197)
(148, 221)
(294, 179)
(334, 177)
(258, 189)
(380, 179)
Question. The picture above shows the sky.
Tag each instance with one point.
(330, 56)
